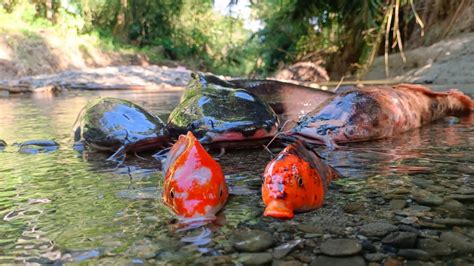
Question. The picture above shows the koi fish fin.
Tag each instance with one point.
(309, 154)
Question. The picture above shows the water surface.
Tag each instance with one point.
(65, 206)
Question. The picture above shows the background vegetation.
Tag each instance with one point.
(343, 36)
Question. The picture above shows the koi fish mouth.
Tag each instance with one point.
(279, 209)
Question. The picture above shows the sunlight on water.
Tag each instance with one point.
(66, 206)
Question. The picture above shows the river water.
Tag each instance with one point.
(67, 206)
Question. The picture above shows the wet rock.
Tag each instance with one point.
(335, 261)
(397, 204)
(389, 249)
(283, 250)
(214, 260)
(427, 198)
(429, 224)
(466, 190)
(255, 258)
(377, 229)
(453, 221)
(452, 207)
(408, 228)
(287, 263)
(336, 230)
(368, 246)
(37, 146)
(466, 169)
(252, 240)
(430, 233)
(78, 256)
(458, 241)
(400, 239)
(392, 262)
(305, 256)
(341, 247)
(462, 197)
(413, 254)
(409, 220)
(353, 207)
(434, 247)
(309, 228)
(375, 257)
(313, 235)
(461, 262)
(422, 182)
(39, 142)
(421, 263)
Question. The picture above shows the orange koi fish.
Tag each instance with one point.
(295, 181)
(194, 185)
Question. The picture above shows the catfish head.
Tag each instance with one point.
(354, 115)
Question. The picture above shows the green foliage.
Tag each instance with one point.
(333, 30)
(343, 34)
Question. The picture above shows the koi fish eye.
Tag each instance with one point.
(172, 193)
(300, 181)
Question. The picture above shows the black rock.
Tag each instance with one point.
(335, 261)
(413, 254)
(400, 239)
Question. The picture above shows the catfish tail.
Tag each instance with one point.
(465, 100)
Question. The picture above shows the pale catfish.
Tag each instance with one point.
(361, 114)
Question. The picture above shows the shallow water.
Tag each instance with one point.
(66, 206)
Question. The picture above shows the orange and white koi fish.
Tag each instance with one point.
(295, 181)
(194, 185)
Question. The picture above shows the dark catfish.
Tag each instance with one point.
(378, 112)
(118, 125)
(222, 116)
(287, 99)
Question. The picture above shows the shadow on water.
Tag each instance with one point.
(69, 206)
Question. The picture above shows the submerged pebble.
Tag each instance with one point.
(377, 229)
(397, 204)
(252, 240)
(37, 146)
(413, 254)
(338, 261)
(341, 247)
(427, 198)
(400, 239)
(459, 242)
(283, 250)
(255, 258)
(434, 247)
